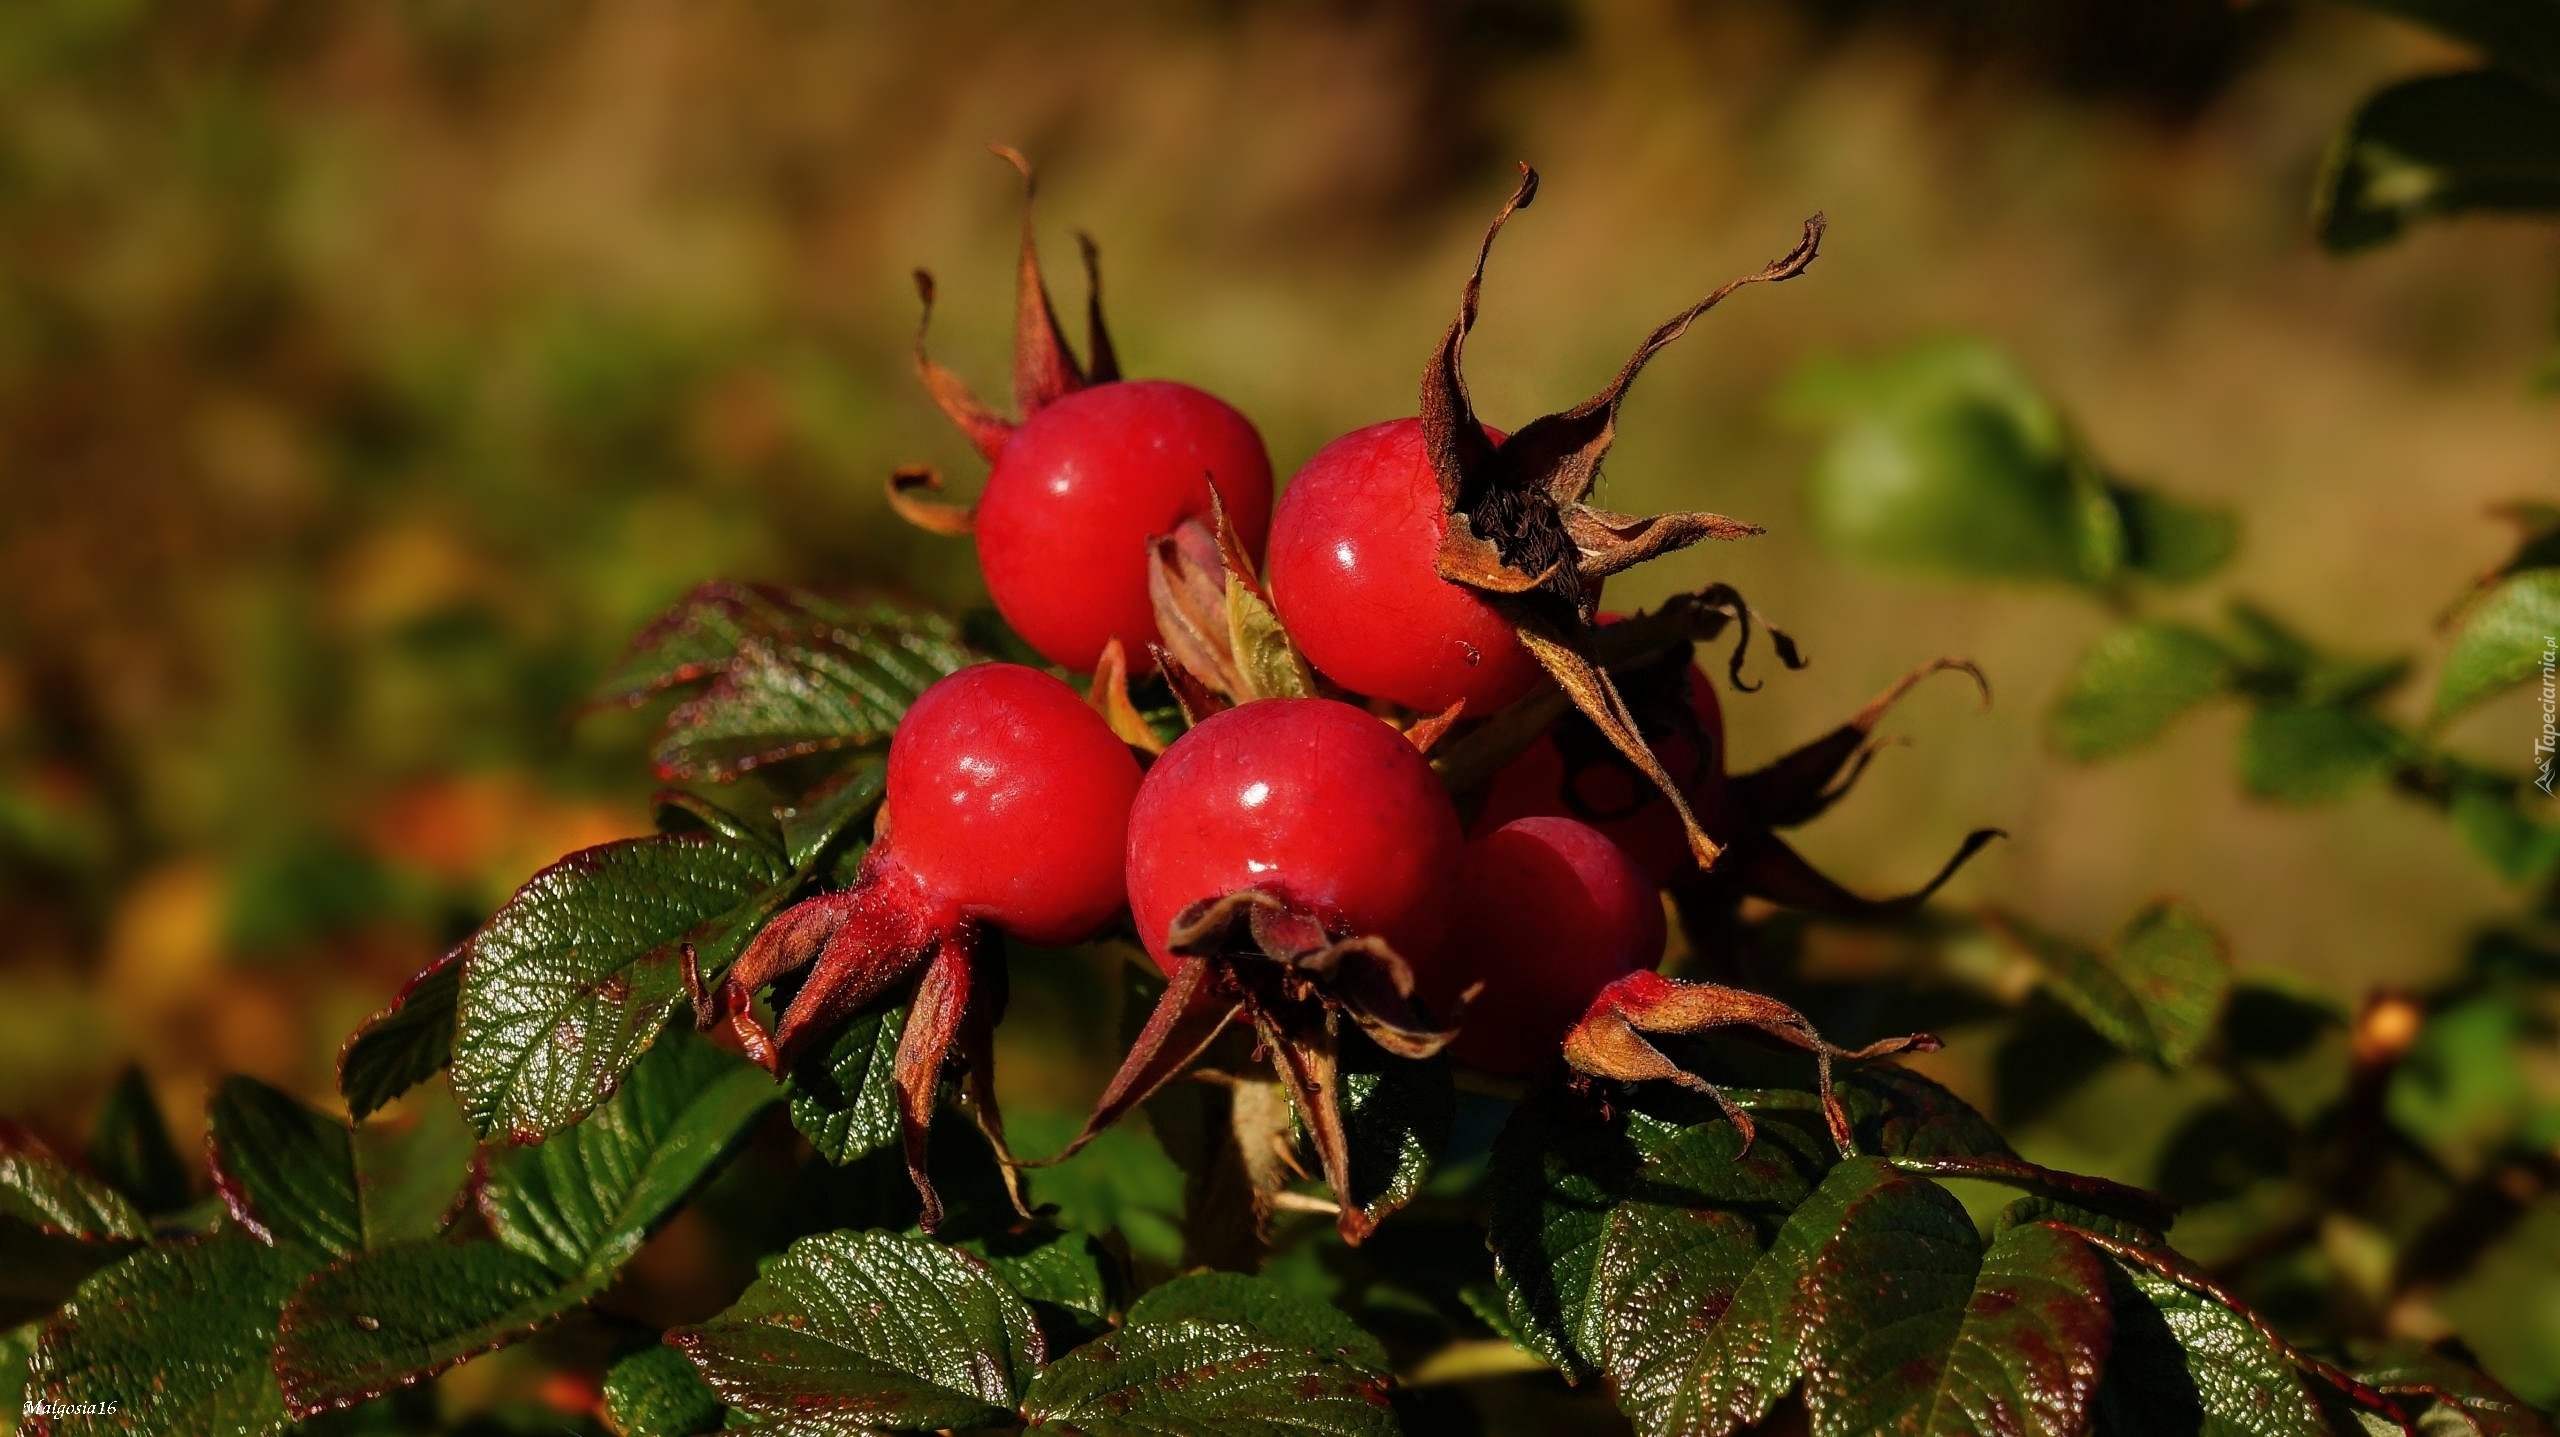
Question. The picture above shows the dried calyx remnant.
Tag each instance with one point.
(1045, 370)
(1520, 527)
(1256, 957)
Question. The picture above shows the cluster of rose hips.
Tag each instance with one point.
(1293, 859)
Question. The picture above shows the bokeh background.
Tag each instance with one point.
(369, 373)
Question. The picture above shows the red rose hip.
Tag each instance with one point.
(1315, 801)
(1080, 488)
(1354, 577)
(1549, 912)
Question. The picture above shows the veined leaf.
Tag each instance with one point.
(1282, 1314)
(1155, 1378)
(844, 1099)
(568, 1213)
(2183, 1362)
(781, 698)
(574, 977)
(1556, 1173)
(293, 1176)
(2155, 991)
(57, 1226)
(172, 1339)
(701, 631)
(2447, 1397)
(2129, 687)
(2502, 642)
(1396, 1114)
(401, 1046)
(852, 1330)
(1067, 1277)
(656, 1393)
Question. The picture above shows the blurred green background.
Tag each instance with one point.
(369, 373)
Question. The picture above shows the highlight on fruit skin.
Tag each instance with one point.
(1007, 811)
(1094, 470)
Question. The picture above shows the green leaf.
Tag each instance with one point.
(844, 1098)
(1067, 1277)
(1944, 459)
(573, 978)
(808, 1341)
(1555, 1173)
(820, 821)
(1152, 1379)
(391, 1316)
(656, 1393)
(2491, 817)
(2521, 35)
(1396, 1114)
(57, 1226)
(1270, 664)
(2313, 753)
(1897, 1113)
(43, 1194)
(1286, 1316)
(2129, 687)
(568, 1214)
(129, 1148)
(2169, 540)
(404, 1044)
(2185, 1363)
(2155, 992)
(2507, 1308)
(290, 1175)
(2505, 637)
(1918, 1329)
(811, 691)
(701, 632)
(2446, 1396)
(2442, 145)
(175, 1338)
(17, 1345)
(1694, 1298)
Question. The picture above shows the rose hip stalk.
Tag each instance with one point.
(1096, 469)
(1517, 554)
(1291, 863)
(1007, 811)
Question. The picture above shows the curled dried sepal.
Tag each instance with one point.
(1044, 368)
(865, 942)
(1425, 733)
(1800, 786)
(1256, 957)
(1217, 624)
(915, 496)
(1519, 527)
(1615, 1039)
(1109, 696)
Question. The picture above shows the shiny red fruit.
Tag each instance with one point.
(1079, 489)
(1548, 913)
(1354, 550)
(1008, 804)
(1311, 799)
(1583, 778)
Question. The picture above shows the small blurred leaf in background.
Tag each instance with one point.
(2132, 684)
(1944, 459)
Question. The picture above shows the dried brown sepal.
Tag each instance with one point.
(1615, 1040)
(986, 430)
(915, 496)
(1109, 695)
(1191, 693)
(1253, 955)
(1682, 622)
(1044, 369)
(1763, 865)
(1102, 359)
(1518, 522)
(1590, 688)
(1798, 787)
(1187, 583)
(1425, 733)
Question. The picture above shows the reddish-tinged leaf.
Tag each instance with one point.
(172, 1339)
(407, 1042)
(1150, 1379)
